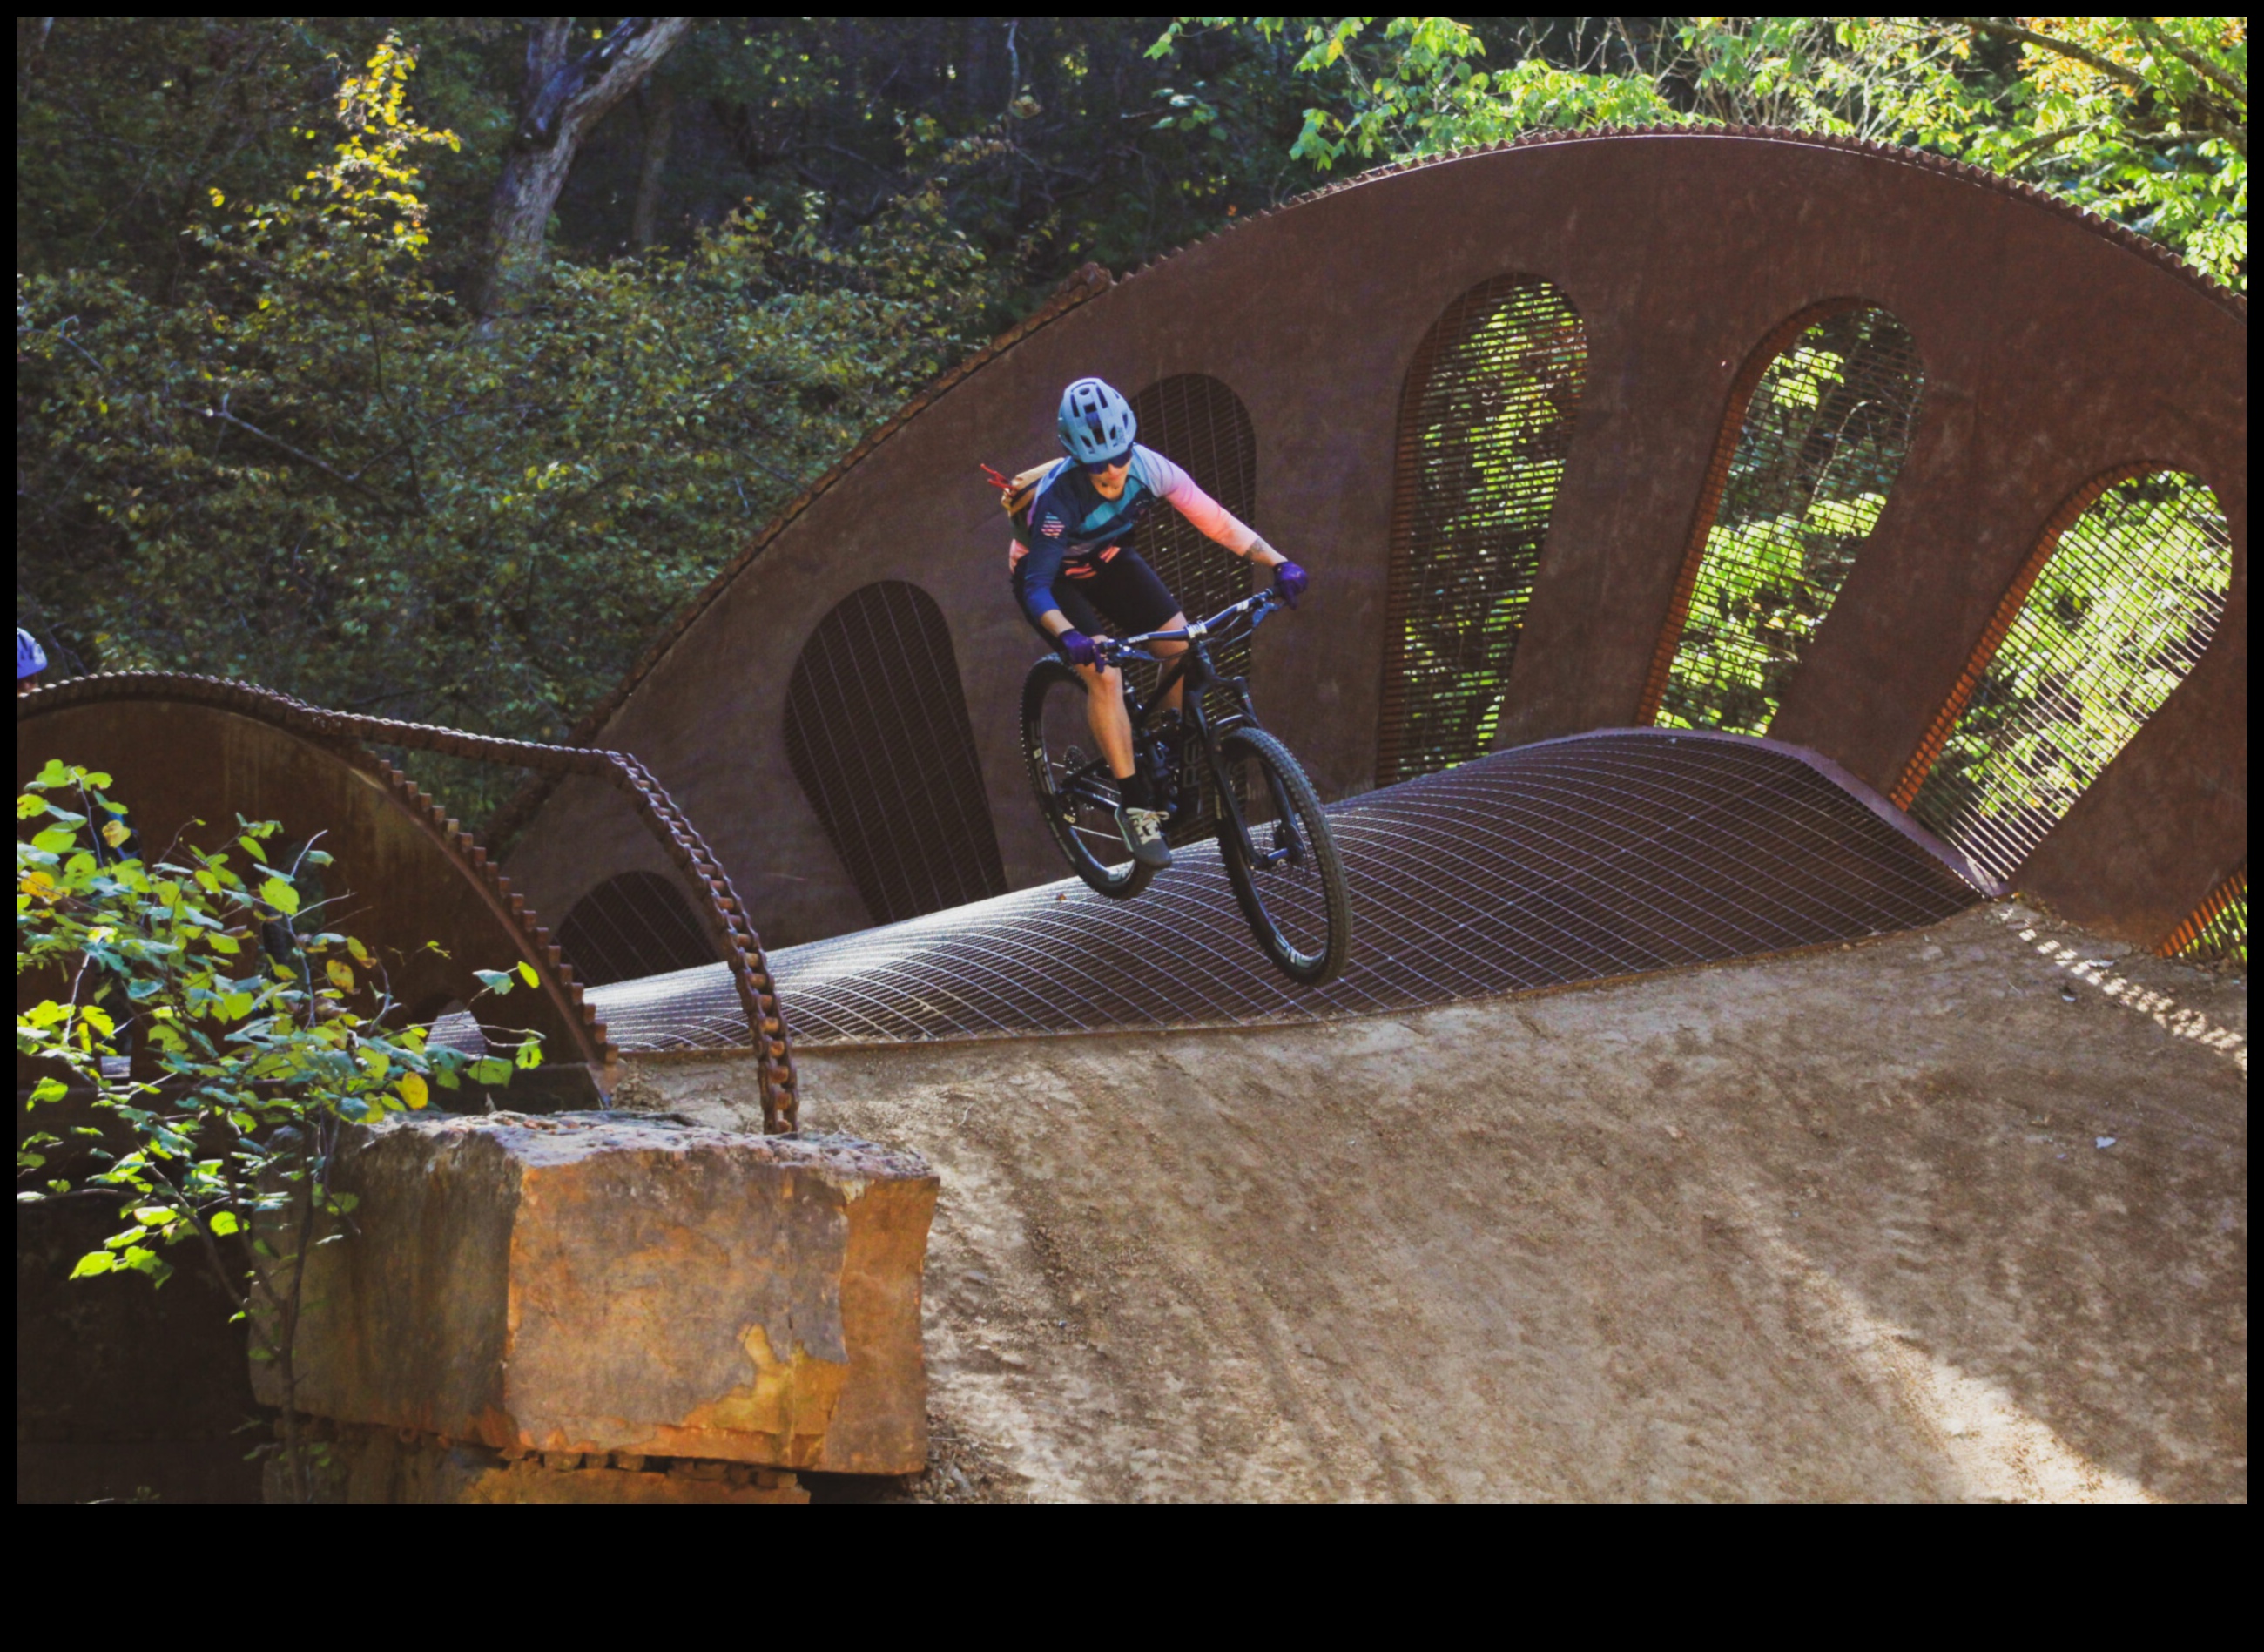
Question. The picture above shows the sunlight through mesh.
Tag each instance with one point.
(1822, 440)
(2217, 935)
(1483, 431)
(2119, 609)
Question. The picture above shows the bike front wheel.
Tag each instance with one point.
(1294, 892)
(1076, 794)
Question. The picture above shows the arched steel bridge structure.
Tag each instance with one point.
(1287, 359)
(1523, 411)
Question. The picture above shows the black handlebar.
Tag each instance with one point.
(1255, 608)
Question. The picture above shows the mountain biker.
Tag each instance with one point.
(1074, 571)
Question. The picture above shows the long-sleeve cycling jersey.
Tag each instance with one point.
(1068, 528)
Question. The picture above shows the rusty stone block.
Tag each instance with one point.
(601, 1284)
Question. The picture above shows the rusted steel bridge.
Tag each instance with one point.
(1751, 434)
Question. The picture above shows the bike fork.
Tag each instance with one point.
(1257, 859)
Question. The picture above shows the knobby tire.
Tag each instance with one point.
(1302, 916)
(1056, 677)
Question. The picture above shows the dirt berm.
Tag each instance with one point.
(1960, 1214)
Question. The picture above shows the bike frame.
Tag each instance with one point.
(1194, 669)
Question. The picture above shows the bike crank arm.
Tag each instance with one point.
(1089, 793)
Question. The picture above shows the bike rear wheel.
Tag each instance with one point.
(1296, 895)
(1077, 794)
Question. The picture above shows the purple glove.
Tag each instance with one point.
(1078, 647)
(1290, 580)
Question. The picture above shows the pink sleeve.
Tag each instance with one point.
(1211, 519)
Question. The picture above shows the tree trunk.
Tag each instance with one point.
(565, 98)
(660, 126)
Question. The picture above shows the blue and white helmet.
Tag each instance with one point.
(31, 659)
(1097, 424)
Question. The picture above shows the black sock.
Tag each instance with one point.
(1134, 791)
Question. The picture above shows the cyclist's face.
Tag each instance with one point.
(1108, 480)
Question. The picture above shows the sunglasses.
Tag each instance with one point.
(1104, 466)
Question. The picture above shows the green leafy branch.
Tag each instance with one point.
(200, 1043)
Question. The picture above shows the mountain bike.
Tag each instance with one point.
(1287, 875)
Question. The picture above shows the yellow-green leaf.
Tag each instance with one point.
(412, 1089)
(341, 974)
(279, 894)
(526, 973)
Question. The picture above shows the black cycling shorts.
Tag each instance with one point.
(1121, 596)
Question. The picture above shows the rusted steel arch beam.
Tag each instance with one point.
(82, 715)
(2154, 251)
(1092, 280)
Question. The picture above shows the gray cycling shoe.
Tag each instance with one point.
(1143, 835)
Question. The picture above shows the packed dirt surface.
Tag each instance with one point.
(1959, 1214)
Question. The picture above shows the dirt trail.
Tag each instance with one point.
(1830, 1227)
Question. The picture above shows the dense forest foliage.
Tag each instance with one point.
(425, 367)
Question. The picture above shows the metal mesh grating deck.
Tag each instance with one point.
(1603, 855)
(1819, 445)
